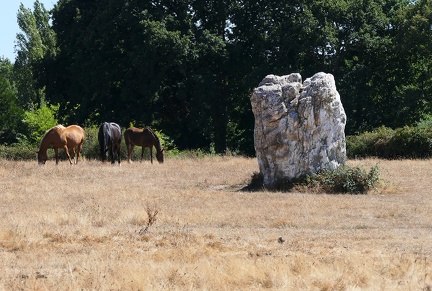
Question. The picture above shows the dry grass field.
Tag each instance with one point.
(83, 228)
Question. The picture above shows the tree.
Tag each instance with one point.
(11, 112)
(412, 94)
(36, 41)
(187, 67)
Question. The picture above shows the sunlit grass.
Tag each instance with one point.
(83, 227)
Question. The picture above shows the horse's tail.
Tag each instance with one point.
(126, 138)
(102, 141)
(107, 134)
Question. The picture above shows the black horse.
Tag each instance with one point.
(109, 137)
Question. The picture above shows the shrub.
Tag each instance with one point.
(372, 143)
(344, 179)
(38, 121)
(410, 142)
(90, 148)
(167, 142)
(405, 142)
(18, 151)
(425, 122)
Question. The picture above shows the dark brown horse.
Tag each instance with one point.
(109, 138)
(145, 138)
(71, 137)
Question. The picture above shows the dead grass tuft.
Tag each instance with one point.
(11, 241)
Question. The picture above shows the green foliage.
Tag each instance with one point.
(90, 148)
(167, 142)
(411, 142)
(189, 66)
(11, 113)
(405, 142)
(18, 151)
(425, 122)
(344, 179)
(373, 143)
(35, 42)
(38, 122)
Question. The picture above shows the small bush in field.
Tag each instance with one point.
(344, 179)
(90, 148)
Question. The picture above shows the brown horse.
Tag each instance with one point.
(70, 137)
(145, 138)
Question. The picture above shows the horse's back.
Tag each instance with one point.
(74, 134)
(59, 127)
(140, 137)
(110, 131)
(132, 129)
(133, 135)
(75, 129)
(115, 125)
(116, 131)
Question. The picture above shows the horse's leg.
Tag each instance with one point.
(78, 152)
(130, 148)
(142, 152)
(112, 153)
(151, 154)
(118, 147)
(75, 159)
(56, 155)
(67, 153)
(127, 147)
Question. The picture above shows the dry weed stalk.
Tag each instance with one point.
(152, 212)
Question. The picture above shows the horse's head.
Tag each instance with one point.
(160, 155)
(42, 157)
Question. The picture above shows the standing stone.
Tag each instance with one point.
(299, 128)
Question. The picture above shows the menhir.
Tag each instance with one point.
(299, 128)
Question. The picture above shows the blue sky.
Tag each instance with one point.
(9, 26)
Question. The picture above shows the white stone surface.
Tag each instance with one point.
(299, 128)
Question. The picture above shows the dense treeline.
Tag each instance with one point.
(187, 67)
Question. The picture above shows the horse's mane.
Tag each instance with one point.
(58, 126)
(155, 136)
